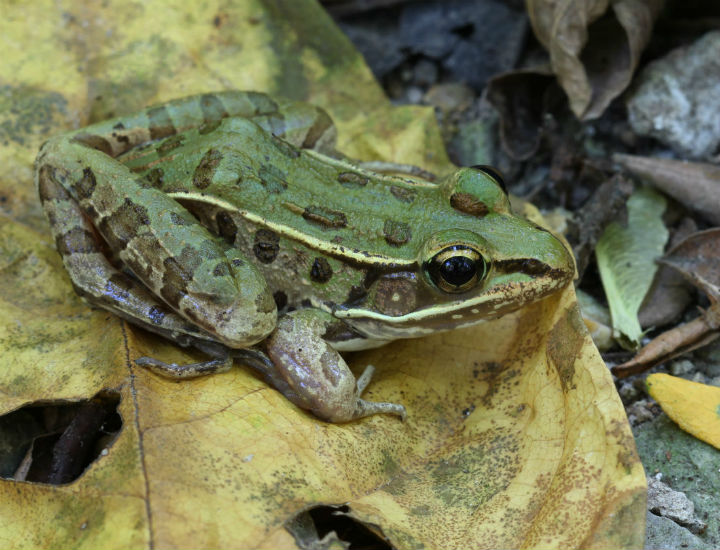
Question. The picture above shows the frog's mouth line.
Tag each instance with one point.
(505, 298)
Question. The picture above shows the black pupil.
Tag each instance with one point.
(458, 270)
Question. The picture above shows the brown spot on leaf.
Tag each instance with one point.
(468, 204)
(324, 217)
(205, 171)
(396, 233)
(321, 271)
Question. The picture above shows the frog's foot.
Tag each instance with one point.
(190, 370)
(313, 375)
(372, 407)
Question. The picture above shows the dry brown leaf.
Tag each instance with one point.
(694, 184)
(697, 258)
(516, 436)
(594, 46)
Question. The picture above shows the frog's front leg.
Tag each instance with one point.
(313, 375)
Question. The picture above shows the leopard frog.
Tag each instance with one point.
(228, 222)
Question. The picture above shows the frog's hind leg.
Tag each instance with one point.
(93, 276)
(313, 375)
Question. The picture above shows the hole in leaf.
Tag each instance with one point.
(54, 442)
(333, 523)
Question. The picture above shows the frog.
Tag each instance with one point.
(228, 222)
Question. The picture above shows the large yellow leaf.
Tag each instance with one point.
(515, 436)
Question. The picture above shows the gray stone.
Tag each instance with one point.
(664, 534)
(677, 99)
(666, 502)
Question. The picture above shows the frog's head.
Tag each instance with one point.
(481, 263)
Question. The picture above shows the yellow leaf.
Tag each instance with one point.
(515, 435)
(694, 407)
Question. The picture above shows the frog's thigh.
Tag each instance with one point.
(314, 375)
(91, 273)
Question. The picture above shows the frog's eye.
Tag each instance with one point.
(493, 173)
(457, 268)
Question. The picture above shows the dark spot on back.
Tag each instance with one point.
(205, 171)
(178, 219)
(160, 124)
(352, 179)
(119, 126)
(324, 217)
(321, 271)
(85, 186)
(402, 194)
(266, 247)
(468, 204)
(396, 233)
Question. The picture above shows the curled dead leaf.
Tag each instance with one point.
(594, 46)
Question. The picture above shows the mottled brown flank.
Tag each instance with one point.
(226, 227)
(285, 148)
(205, 170)
(352, 179)
(266, 247)
(324, 217)
(322, 123)
(93, 141)
(160, 123)
(169, 144)
(155, 177)
(85, 186)
(321, 271)
(212, 108)
(273, 178)
(396, 233)
(49, 184)
(122, 225)
(396, 295)
(76, 241)
(468, 204)
(402, 194)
